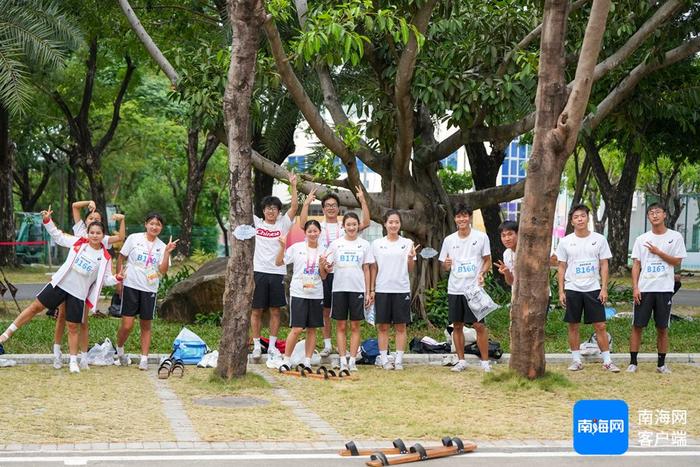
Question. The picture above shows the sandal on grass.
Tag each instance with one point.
(178, 368)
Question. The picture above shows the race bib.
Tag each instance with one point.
(152, 275)
(308, 279)
(585, 270)
(348, 259)
(654, 270)
(84, 265)
(465, 269)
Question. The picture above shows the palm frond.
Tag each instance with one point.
(15, 92)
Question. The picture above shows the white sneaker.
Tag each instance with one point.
(352, 366)
(663, 370)
(611, 367)
(631, 368)
(398, 366)
(576, 366)
(273, 355)
(486, 368)
(325, 352)
(460, 366)
(388, 366)
(73, 367)
(84, 364)
(143, 365)
(122, 360)
(257, 353)
(344, 366)
(57, 363)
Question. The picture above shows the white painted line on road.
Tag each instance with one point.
(262, 456)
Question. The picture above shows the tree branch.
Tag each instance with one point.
(402, 89)
(104, 141)
(312, 115)
(490, 196)
(570, 120)
(148, 43)
(630, 82)
(663, 14)
(91, 64)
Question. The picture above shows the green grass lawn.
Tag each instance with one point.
(37, 336)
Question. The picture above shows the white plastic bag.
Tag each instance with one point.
(370, 314)
(102, 354)
(299, 354)
(480, 303)
(209, 360)
(590, 347)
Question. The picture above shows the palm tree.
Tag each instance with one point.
(34, 34)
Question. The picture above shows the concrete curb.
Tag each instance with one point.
(409, 358)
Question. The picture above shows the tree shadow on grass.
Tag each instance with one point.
(511, 381)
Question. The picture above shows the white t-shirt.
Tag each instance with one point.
(656, 275)
(467, 259)
(80, 230)
(348, 257)
(330, 233)
(306, 280)
(143, 262)
(267, 244)
(582, 256)
(83, 272)
(392, 264)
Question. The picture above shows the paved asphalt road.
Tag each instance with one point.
(29, 291)
(530, 458)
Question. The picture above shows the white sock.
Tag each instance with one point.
(327, 344)
(576, 355)
(383, 357)
(57, 350)
(463, 362)
(120, 351)
(273, 341)
(83, 356)
(144, 358)
(344, 360)
(285, 360)
(399, 356)
(256, 342)
(8, 333)
(307, 361)
(74, 359)
(485, 364)
(606, 357)
(352, 360)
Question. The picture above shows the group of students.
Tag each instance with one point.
(75, 288)
(336, 275)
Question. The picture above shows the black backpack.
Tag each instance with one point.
(495, 350)
(417, 346)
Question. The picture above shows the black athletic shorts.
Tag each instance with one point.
(51, 297)
(138, 302)
(458, 310)
(392, 308)
(328, 291)
(348, 305)
(305, 312)
(269, 291)
(657, 302)
(585, 303)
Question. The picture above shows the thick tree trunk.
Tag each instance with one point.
(530, 299)
(618, 201)
(262, 187)
(7, 216)
(93, 171)
(246, 19)
(485, 168)
(196, 167)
